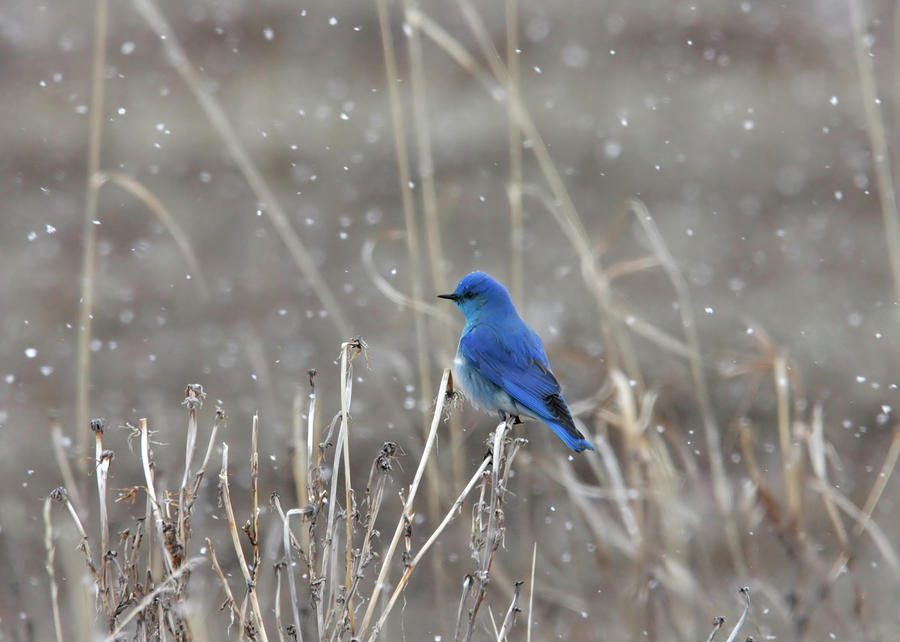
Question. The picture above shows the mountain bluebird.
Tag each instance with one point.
(501, 364)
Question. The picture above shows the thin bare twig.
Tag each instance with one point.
(236, 541)
(49, 565)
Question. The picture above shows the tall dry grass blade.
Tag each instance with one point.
(201, 472)
(514, 139)
(193, 400)
(531, 593)
(155, 205)
(346, 386)
(151, 495)
(424, 153)
(102, 461)
(238, 550)
(412, 235)
(788, 451)
(279, 625)
(49, 565)
(407, 508)
(270, 204)
(303, 447)
(292, 582)
(252, 530)
(721, 485)
(89, 233)
(878, 140)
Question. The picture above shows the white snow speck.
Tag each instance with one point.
(31, 353)
(268, 33)
(833, 100)
(127, 48)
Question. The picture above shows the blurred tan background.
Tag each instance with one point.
(740, 125)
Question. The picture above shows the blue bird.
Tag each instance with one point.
(501, 364)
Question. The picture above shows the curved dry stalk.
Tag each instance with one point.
(745, 591)
(217, 117)
(150, 200)
(389, 291)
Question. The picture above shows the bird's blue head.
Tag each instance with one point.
(478, 293)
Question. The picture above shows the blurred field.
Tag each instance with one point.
(734, 344)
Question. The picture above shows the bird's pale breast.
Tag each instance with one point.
(482, 392)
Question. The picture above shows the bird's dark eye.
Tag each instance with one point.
(468, 295)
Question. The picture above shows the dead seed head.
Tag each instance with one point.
(194, 396)
(59, 494)
(97, 425)
(385, 459)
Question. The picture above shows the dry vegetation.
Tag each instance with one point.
(668, 539)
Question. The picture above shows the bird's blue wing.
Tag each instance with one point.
(515, 361)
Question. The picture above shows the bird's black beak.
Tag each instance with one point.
(452, 297)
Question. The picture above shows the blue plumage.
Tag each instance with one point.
(501, 364)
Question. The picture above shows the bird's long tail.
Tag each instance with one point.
(573, 438)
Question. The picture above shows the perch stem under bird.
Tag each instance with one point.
(501, 365)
